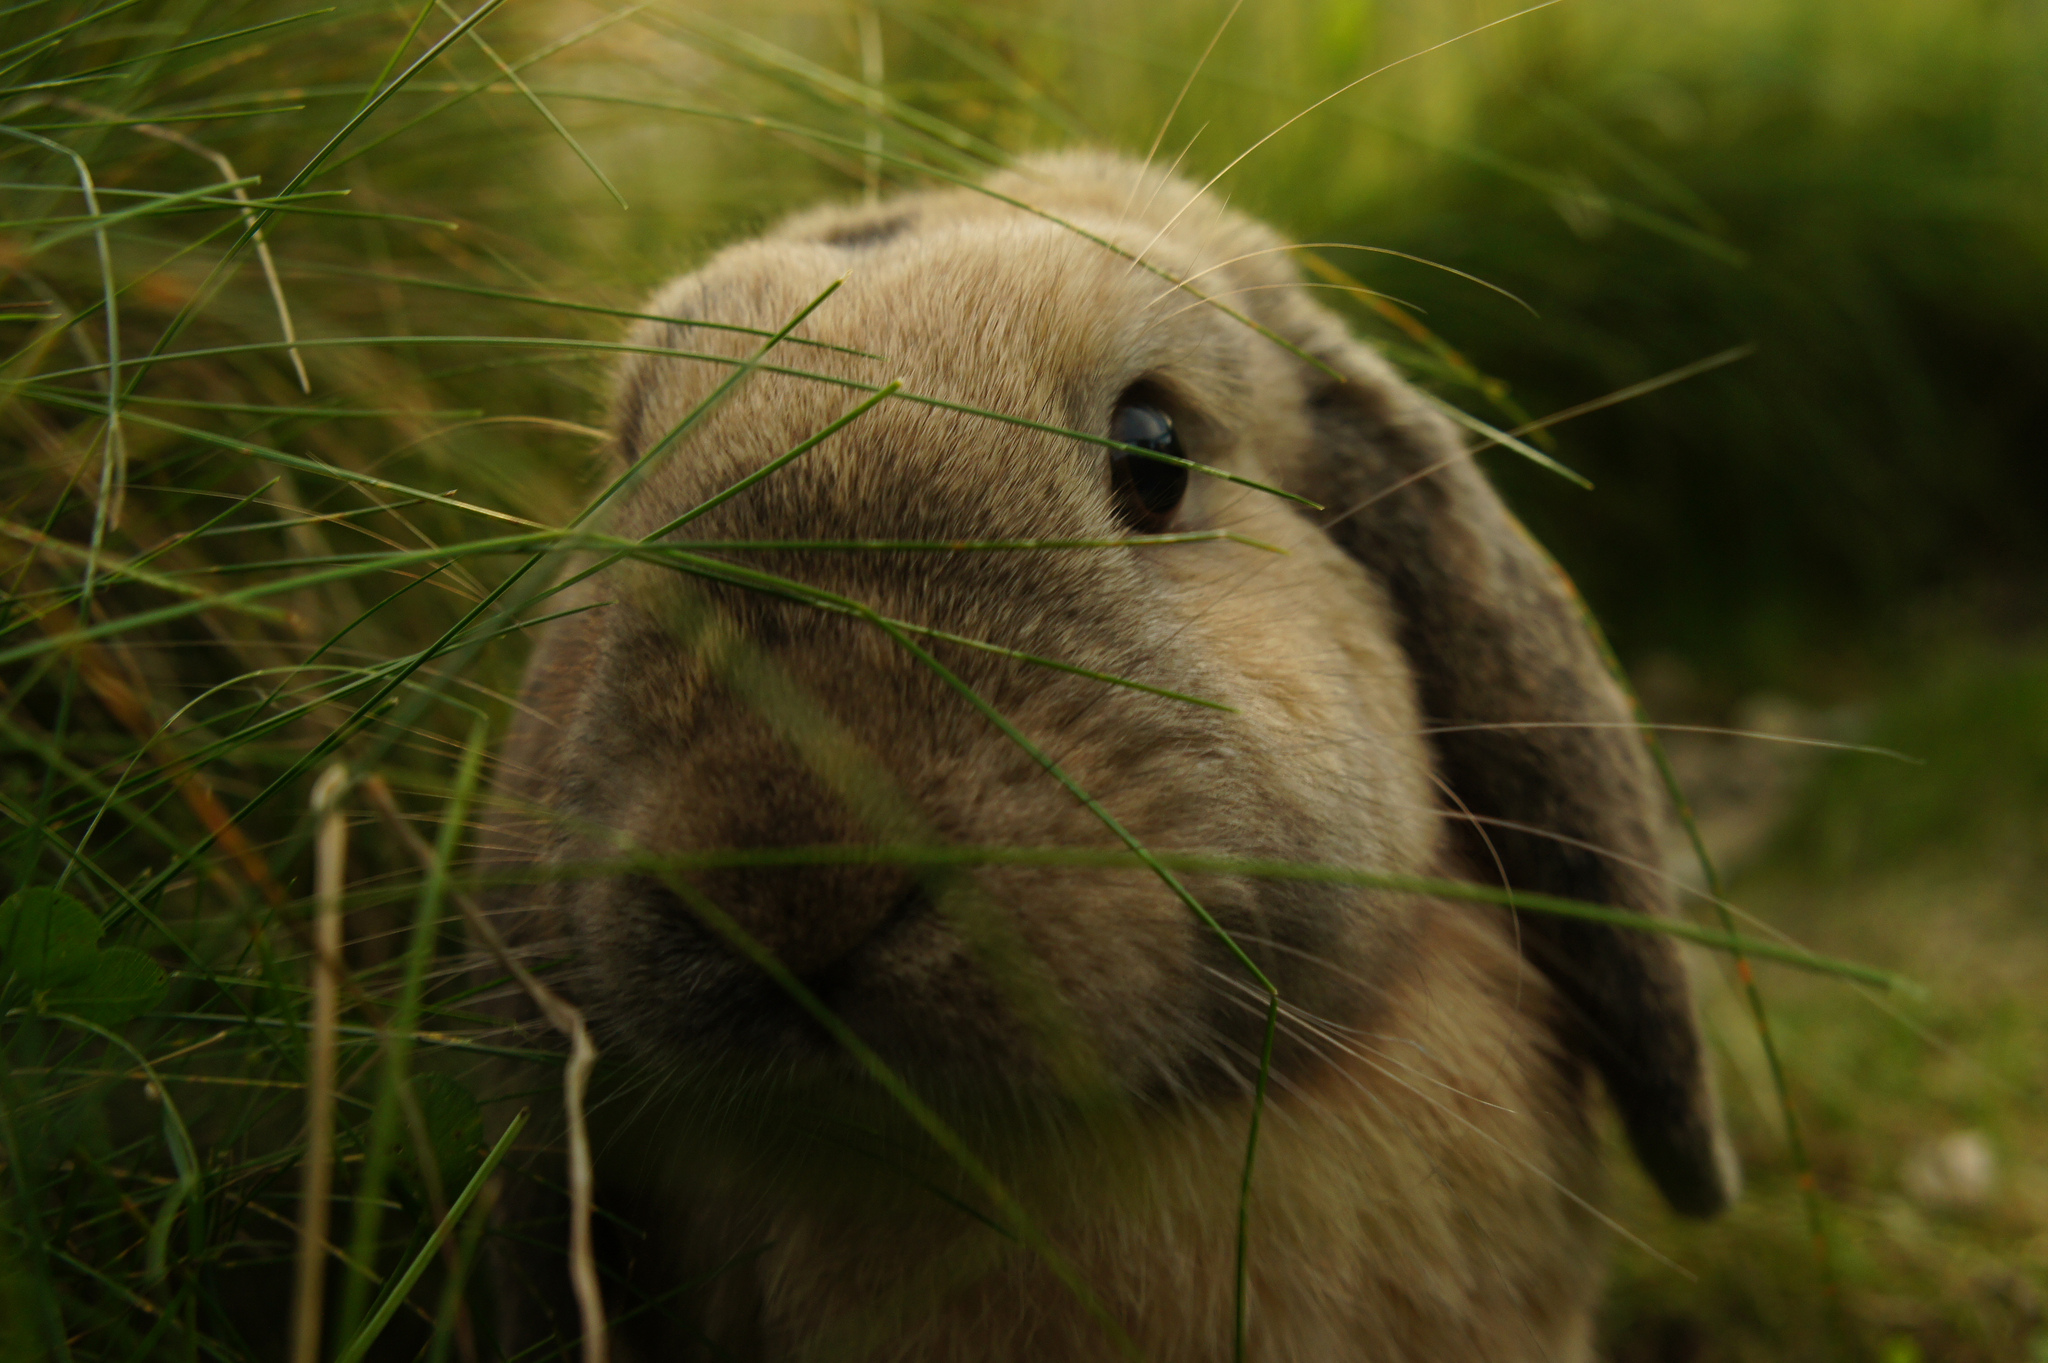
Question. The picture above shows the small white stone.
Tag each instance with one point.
(1957, 1172)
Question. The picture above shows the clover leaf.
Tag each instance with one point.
(51, 962)
(47, 938)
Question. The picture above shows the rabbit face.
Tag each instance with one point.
(1407, 686)
(717, 718)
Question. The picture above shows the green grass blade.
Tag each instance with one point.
(394, 1294)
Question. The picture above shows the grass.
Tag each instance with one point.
(249, 479)
(1938, 875)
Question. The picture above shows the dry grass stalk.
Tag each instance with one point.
(567, 1019)
(231, 179)
(330, 856)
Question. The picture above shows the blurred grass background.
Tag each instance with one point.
(1841, 536)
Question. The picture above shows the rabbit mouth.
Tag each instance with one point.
(948, 992)
(723, 996)
(938, 989)
(838, 983)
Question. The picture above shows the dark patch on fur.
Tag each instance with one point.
(875, 232)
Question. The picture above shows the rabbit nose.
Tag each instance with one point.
(811, 918)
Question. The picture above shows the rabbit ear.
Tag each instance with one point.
(1533, 735)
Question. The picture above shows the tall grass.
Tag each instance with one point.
(307, 315)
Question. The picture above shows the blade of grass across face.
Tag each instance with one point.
(691, 561)
(716, 570)
(968, 546)
(379, 562)
(342, 567)
(1260, 868)
(623, 348)
(781, 461)
(1055, 665)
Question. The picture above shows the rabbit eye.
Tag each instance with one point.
(1147, 490)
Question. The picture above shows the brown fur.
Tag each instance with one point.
(1424, 1182)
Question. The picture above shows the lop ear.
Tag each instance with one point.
(1535, 738)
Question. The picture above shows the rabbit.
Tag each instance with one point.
(1407, 687)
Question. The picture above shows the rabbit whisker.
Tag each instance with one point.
(1153, 151)
(1759, 735)
(1340, 90)
(1311, 1027)
(1580, 1201)
(1353, 289)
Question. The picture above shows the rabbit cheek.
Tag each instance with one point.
(1329, 699)
(1329, 748)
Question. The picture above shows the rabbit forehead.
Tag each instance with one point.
(1014, 316)
(985, 309)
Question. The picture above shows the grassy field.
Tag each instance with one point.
(1925, 1117)
(303, 312)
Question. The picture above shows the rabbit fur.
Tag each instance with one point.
(1412, 691)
